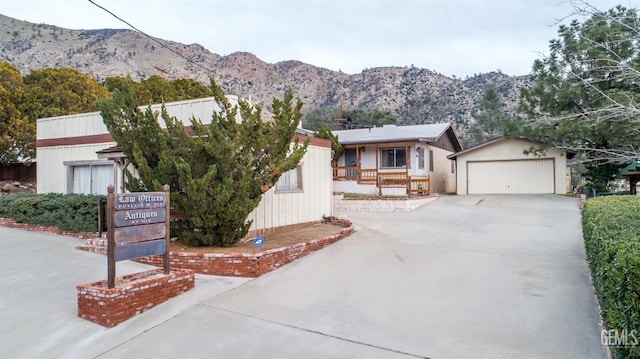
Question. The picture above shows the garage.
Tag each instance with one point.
(509, 166)
(517, 176)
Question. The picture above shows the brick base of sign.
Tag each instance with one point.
(132, 295)
(245, 264)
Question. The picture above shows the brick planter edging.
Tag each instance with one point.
(232, 264)
(248, 264)
(132, 295)
(10, 223)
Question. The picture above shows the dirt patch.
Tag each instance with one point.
(277, 238)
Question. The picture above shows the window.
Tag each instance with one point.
(420, 151)
(430, 160)
(290, 180)
(89, 177)
(393, 157)
(453, 166)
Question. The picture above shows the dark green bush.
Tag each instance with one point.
(71, 212)
(6, 203)
(79, 213)
(611, 228)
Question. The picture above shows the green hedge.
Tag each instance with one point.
(611, 228)
(69, 212)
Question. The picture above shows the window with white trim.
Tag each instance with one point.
(420, 151)
(89, 177)
(290, 180)
(393, 157)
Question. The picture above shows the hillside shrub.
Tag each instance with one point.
(69, 212)
(611, 229)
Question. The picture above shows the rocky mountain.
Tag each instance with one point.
(416, 95)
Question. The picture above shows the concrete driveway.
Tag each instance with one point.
(463, 277)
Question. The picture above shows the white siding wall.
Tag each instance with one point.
(85, 124)
(282, 208)
(52, 173)
(510, 149)
(368, 157)
(276, 209)
(91, 123)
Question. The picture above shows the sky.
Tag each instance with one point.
(452, 37)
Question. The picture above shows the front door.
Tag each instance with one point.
(351, 160)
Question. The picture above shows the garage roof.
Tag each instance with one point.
(499, 139)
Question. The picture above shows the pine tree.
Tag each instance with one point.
(218, 173)
(585, 93)
(325, 132)
(490, 120)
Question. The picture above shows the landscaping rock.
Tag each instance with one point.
(9, 187)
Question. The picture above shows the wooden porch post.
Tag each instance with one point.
(406, 159)
(357, 163)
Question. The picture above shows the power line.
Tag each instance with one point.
(152, 38)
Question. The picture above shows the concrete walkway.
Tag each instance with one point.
(463, 277)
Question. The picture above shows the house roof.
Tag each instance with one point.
(392, 133)
(570, 154)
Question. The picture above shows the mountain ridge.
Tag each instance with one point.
(415, 95)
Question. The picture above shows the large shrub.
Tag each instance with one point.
(70, 212)
(611, 227)
(217, 172)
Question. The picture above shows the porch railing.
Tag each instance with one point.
(345, 173)
(414, 184)
(393, 178)
(368, 176)
(419, 185)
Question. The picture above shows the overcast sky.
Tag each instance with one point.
(452, 37)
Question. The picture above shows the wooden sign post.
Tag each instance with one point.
(137, 226)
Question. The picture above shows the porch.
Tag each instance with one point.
(365, 176)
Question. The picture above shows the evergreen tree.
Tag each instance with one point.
(586, 91)
(490, 121)
(325, 132)
(218, 173)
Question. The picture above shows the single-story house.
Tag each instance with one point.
(403, 159)
(508, 165)
(68, 162)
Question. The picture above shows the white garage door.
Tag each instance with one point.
(518, 176)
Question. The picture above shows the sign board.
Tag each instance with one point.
(139, 200)
(137, 226)
(258, 242)
(137, 217)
